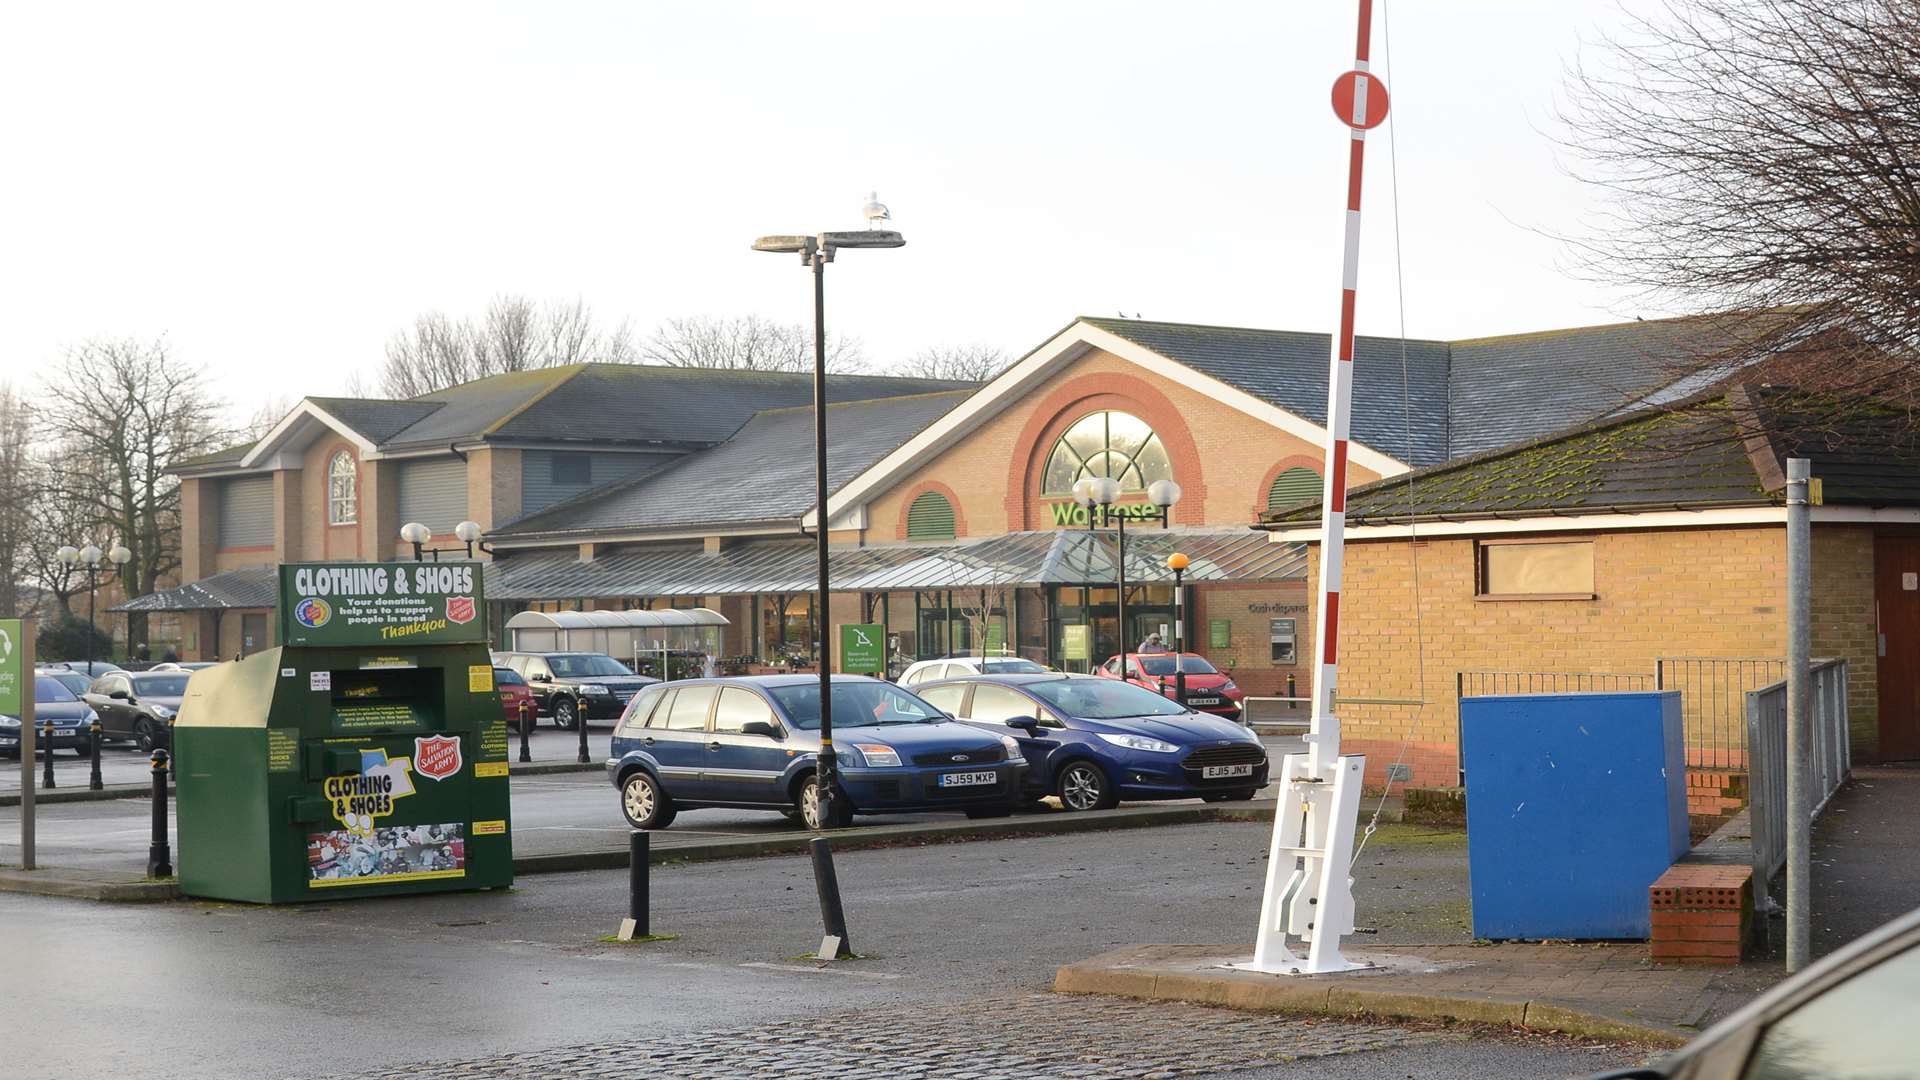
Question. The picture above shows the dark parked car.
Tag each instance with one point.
(52, 701)
(1848, 1016)
(568, 684)
(138, 705)
(753, 742)
(91, 669)
(1094, 741)
(74, 681)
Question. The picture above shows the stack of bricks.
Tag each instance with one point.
(1702, 913)
(1715, 792)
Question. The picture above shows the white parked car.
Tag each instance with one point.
(955, 667)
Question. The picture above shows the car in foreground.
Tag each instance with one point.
(569, 685)
(516, 697)
(138, 705)
(954, 667)
(753, 742)
(1845, 1016)
(1209, 690)
(1094, 742)
(52, 702)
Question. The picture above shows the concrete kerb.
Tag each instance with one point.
(1131, 973)
(145, 790)
(99, 885)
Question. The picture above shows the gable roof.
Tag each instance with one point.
(763, 474)
(1713, 451)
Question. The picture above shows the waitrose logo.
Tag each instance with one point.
(1067, 513)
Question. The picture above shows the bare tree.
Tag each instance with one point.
(124, 411)
(513, 334)
(54, 521)
(749, 342)
(978, 607)
(976, 362)
(16, 498)
(1764, 155)
(268, 413)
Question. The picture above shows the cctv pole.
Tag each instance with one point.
(822, 620)
(1799, 645)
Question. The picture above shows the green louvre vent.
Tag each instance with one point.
(1295, 485)
(930, 517)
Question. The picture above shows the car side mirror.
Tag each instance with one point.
(540, 677)
(120, 695)
(1029, 724)
(760, 727)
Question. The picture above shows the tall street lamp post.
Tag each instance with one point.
(1098, 494)
(89, 557)
(816, 252)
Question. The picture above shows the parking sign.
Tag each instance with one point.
(863, 648)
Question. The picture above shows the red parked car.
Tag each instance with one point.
(516, 697)
(1209, 690)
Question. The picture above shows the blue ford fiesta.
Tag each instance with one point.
(1093, 742)
(752, 743)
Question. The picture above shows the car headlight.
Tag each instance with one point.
(1228, 685)
(1013, 747)
(878, 755)
(594, 688)
(1139, 742)
(162, 712)
(9, 721)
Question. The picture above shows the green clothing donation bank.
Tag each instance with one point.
(365, 756)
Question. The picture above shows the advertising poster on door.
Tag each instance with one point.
(387, 855)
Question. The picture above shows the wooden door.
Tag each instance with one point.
(1896, 589)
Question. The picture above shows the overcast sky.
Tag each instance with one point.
(278, 188)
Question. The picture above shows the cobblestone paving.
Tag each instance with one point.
(1017, 1037)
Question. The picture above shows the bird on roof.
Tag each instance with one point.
(875, 211)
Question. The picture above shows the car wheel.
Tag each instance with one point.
(143, 737)
(978, 812)
(808, 806)
(643, 803)
(1236, 795)
(1084, 786)
(565, 713)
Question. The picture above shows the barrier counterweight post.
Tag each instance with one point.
(835, 945)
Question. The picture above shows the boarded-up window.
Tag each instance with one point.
(246, 512)
(1295, 485)
(1541, 569)
(433, 492)
(930, 517)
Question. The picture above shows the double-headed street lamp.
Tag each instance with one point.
(1099, 496)
(816, 252)
(89, 557)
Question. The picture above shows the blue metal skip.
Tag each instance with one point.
(1576, 803)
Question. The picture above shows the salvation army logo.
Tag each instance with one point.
(312, 612)
(460, 609)
(436, 757)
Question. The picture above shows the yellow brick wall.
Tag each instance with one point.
(1843, 621)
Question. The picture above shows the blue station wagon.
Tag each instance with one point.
(1094, 741)
(753, 742)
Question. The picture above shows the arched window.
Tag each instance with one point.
(1106, 443)
(343, 500)
(1294, 485)
(930, 517)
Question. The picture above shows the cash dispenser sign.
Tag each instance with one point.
(382, 603)
(361, 799)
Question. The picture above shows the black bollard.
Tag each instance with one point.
(159, 853)
(580, 718)
(827, 884)
(638, 898)
(46, 747)
(527, 718)
(1291, 693)
(93, 752)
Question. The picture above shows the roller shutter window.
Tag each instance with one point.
(1295, 485)
(433, 492)
(930, 517)
(246, 512)
(551, 476)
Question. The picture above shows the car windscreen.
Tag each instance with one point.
(48, 688)
(1012, 667)
(585, 665)
(73, 681)
(855, 704)
(161, 686)
(1164, 665)
(506, 676)
(1101, 699)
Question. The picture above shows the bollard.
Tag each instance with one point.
(159, 853)
(580, 719)
(1291, 694)
(834, 946)
(527, 718)
(46, 740)
(93, 751)
(638, 900)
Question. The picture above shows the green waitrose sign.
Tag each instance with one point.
(384, 604)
